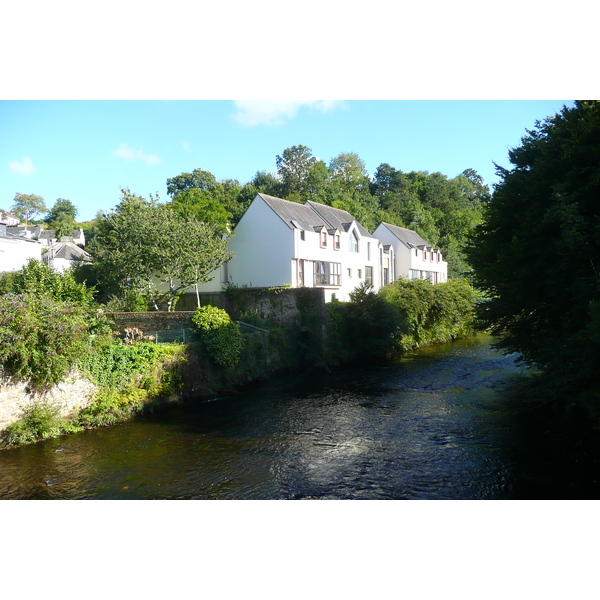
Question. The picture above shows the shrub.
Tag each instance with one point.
(363, 328)
(432, 313)
(39, 422)
(219, 336)
(40, 338)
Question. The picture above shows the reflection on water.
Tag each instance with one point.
(436, 424)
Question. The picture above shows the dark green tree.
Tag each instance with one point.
(537, 255)
(294, 166)
(61, 217)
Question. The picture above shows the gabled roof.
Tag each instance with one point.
(408, 237)
(337, 218)
(294, 215)
(68, 251)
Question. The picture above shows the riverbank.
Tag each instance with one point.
(132, 376)
(437, 423)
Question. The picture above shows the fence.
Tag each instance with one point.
(166, 336)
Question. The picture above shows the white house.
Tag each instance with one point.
(61, 256)
(15, 251)
(278, 242)
(414, 257)
(7, 218)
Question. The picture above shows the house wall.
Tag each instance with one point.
(15, 252)
(407, 259)
(264, 247)
(310, 250)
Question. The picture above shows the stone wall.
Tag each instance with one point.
(278, 305)
(69, 396)
(148, 322)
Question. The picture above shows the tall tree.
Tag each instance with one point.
(293, 168)
(148, 246)
(27, 206)
(61, 217)
(538, 252)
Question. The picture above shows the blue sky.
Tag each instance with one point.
(85, 150)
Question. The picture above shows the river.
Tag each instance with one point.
(439, 423)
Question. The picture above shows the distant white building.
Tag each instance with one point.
(414, 257)
(7, 218)
(64, 255)
(15, 251)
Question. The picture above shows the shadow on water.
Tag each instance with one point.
(445, 422)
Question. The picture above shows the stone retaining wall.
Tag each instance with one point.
(69, 396)
(278, 305)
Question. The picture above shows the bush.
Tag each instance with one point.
(40, 338)
(363, 328)
(219, 336)
(431, 313)
(40, 422)
(112, 364)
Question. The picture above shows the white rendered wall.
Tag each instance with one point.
(15, 253)
(408, 259)
(264, 247)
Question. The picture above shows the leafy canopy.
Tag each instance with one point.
(146, 246)
(537, 255)
(28, 206)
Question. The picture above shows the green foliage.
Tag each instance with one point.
(148, 247)
(39, 422)
(364, 328)
(128, 375)
(111, 364)
(61, 217)
(430, 313)
(218, 334)
(40, 338)
(27, 206)
(38, 279)
(537, 254)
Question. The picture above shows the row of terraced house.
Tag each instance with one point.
(278, 242)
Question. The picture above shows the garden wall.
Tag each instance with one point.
(278, 305)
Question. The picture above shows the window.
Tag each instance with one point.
(353, 242)
(302, 237)
(323, 239)
(349, 273)
(369, 275)
(385, 276)
(336, 244)
(328, 273)
(368, 250)
(300, 273)
(360, 273)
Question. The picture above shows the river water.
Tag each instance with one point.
(437, 424)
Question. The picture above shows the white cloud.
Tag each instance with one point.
(24, 167)
(275, 112)
(127, 153)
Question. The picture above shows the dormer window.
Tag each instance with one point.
(353, 242)
(323, 239)
(336, 241)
